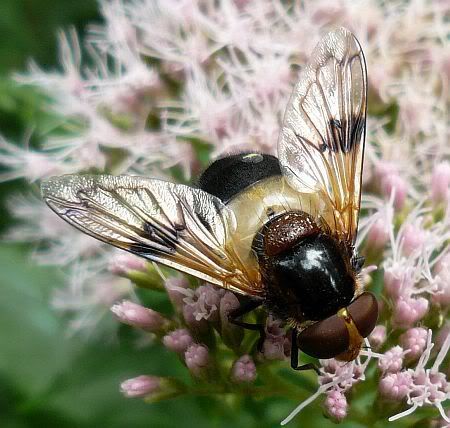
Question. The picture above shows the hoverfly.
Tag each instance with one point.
(280, 231)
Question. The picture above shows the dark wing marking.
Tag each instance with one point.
(321, 145)
(176, 225)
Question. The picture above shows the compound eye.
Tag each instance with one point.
(325, 339)
(364, 311)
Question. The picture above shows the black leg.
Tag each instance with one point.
(294, 355)
(245, 308)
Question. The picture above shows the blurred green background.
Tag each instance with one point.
(47, 378)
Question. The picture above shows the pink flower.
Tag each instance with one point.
(378, 336)
(198, 328)
(398, 280)
(177, 290)
(123, 262)
(414, 340)
(205, 302)
(137, 316)
(336, 404)
(140, 386)
(276, 345)
(335, 374)
(395, 386)
(394, 185)
(413, 238)
(428, 386)
(440, 182)
(178, 340)
(243, 370)
(408, 311)
(392, 360)
(228, 303)
(378, 235)
(197, 359)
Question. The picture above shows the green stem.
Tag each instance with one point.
(274, 380)
(255, 391)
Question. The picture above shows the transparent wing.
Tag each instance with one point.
(176, 225)
(321, 143)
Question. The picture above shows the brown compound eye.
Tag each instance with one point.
(325, 339)
(364, 311)
(330, 337)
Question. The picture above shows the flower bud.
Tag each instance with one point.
(398, 281)
(414, 340)
(378, 234)
(378, 336)
(440, 183)
(197, 359)
(395, 386)
(392, 360)
(137, 316)
(122, 263)
(408, 311)
(336, 404)
(413, 239)
(178, 340)
(140, 386)
(384, 168)
(388, 181)
(394, 184)
(148, 278)
(151, 388)
(243, 370)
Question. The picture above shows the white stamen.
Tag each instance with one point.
(405, 413)
(426, 355)
(370, 354)
(442, 411)
(442, 354)
(301, 406)
(309, 400)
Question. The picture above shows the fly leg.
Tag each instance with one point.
(245, 308)
(294, 355)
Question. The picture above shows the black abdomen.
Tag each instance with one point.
(311, 281)
(228, 176)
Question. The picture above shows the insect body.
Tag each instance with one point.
(278, 230)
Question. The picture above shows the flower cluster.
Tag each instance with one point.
(163, 86)
(200, 318)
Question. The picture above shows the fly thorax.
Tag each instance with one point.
(310, 280)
